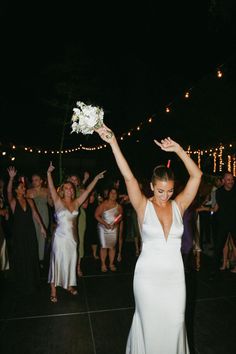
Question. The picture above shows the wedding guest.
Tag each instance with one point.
(4, 216)
(79, 187)
(43, 200)
(225, 210)
(189, 222)
(159, 280)
(106, 214)
(91, 232)
(25, 247)
(63, 261)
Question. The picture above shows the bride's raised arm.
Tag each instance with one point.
(137, 198)
(185, 198)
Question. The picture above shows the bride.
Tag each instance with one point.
(158, 325)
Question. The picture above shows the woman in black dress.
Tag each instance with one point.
(25, 248)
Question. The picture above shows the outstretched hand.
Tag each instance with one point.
(12, 171)
(106, 134)
(168, 145)
(51, 167)
(100, 175)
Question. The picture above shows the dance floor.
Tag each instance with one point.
(98, 319)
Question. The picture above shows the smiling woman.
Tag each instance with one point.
(159, 281)
(63, 260)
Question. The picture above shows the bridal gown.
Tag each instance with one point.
(158, 325)
(63, 260)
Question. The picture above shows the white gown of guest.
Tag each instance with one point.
(158, 325)
(108, 237)
(63, 260)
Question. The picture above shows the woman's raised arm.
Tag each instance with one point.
(51, 187)
(185, 198)
(136, 196)
(80, 200)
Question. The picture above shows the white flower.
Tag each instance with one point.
(86, 118)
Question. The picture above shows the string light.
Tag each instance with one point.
(234, 166)
(214, 162)
(220, 158)
(219, 73)
(229, 163)
(138, 128)
(199, 158)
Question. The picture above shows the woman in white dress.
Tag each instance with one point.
(158, 325)
(63, 260)
(109, 215)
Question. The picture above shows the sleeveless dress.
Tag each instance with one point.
(81, 230)
(4, 260)
(63, 259)
(108, 237)
(158, 325)
(25, 249)
(42, 207)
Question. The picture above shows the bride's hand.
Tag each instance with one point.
(168, 145)
(106, 134)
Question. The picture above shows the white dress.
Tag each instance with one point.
(63, 260)
(108, 237)
(158, 325)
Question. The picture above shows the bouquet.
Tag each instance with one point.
(86, 118)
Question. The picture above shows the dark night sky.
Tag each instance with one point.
(131, 61)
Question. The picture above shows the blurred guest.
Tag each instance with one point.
(106, 214)
(4, 215)
(79, 187)
(25, 247)
(91, 233)
(225, 209)
(42, 199)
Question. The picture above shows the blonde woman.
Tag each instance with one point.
(63, 260)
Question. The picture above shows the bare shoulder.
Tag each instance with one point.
(30, 201)
(45, 190)
(30, 193)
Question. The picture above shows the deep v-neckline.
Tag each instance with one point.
(23, 209)
(66, 208)
(158, 219)
(71, 212)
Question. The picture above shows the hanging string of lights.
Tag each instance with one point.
(215, 152)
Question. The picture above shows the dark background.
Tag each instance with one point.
(132, 60)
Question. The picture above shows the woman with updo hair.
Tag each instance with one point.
(158, 325)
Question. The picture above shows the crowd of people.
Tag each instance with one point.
(43, 222)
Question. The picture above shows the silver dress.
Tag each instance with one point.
(108, 237)
(63, 260)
